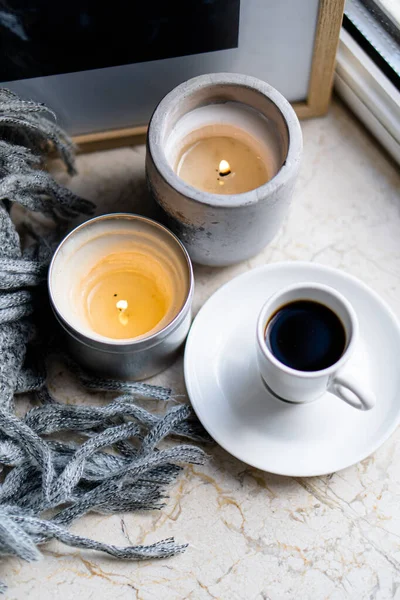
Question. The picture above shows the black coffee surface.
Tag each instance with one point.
(306, 336)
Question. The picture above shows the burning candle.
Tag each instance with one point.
(223, 153)
(127, 294)
(121, 286)
(200, 165)
(223, 149)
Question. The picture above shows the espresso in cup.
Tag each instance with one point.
(306, 335)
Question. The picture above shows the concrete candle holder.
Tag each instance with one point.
(218, 229)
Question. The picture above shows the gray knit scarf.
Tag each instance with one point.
(41, 472)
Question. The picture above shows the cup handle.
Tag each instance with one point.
(347, 389)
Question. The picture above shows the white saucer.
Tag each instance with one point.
(233, 405)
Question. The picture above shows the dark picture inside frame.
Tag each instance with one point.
(103, 70)
(43, 37)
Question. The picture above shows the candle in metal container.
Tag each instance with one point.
(127, 294)
(121, 286)
(223, 216)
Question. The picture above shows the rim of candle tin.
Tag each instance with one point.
(169, 102)
(122, 345)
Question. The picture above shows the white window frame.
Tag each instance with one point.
(369, 93)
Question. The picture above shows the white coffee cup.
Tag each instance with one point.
(305, 386)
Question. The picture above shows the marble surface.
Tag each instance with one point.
(252, 535)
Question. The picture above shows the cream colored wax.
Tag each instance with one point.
(119, 278)
(221, 164)
(224, 148)
(125, 295)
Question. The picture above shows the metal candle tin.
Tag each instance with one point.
(218, 229)
(133, 359)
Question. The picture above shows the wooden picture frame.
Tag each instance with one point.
(326, 42)
(329, 21)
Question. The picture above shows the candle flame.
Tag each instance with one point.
(224, 167)
(122, 306)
